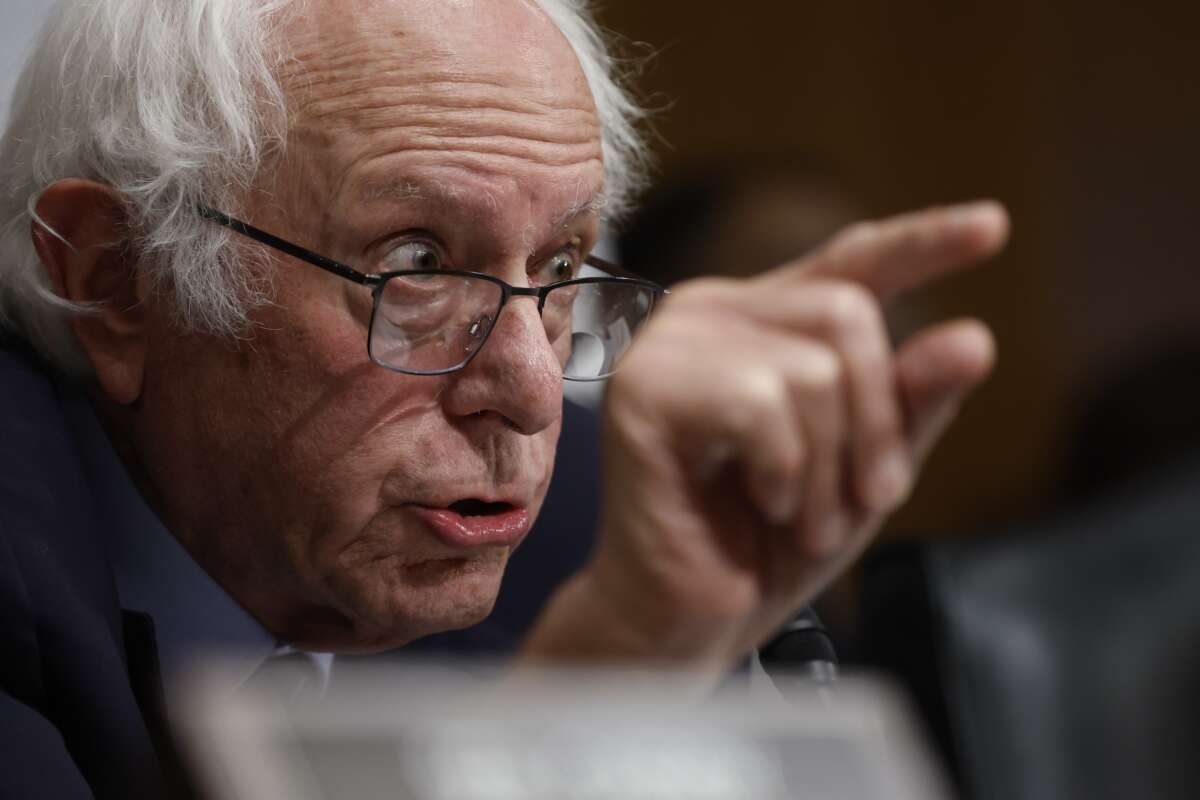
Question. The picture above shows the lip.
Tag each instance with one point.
(505, 528)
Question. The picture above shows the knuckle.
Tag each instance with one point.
(921, 236)
(762, 391)
(856, 234)
(850, 307)
(822, 369)
(752, 397)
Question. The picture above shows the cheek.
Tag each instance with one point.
(393, 598)
(544, 450)
(319, 425)
(327, 399)
(304, 440)
(343, 447)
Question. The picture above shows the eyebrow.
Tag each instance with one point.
(450, 196)
(592, 205)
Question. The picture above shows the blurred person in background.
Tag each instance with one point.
(734, 218)
(728, 218)
(289, 294)
(1137, 422)
(1050, 656)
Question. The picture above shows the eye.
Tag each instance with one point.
(562, 266)
(413, 256)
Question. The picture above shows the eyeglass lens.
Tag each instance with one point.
(428, 324)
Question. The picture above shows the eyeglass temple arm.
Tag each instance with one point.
(609, 267)
(296, 251)
(616, 270)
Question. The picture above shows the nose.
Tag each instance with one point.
(515, 376)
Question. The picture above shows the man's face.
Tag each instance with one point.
(301, 475)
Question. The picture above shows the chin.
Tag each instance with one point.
(391, 610)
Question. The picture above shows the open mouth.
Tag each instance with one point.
(478, 508)
(472, 522)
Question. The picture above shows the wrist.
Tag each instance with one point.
(591, 621)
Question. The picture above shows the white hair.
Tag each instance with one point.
(624, 149)
(173, 103)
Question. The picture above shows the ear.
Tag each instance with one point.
(79, 233)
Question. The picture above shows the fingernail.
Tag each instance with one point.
(890, 481)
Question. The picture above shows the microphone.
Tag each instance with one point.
(800, 654)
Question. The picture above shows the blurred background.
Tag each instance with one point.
(1037, 594)
(1080, 116)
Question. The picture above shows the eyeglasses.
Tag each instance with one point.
(434, 321)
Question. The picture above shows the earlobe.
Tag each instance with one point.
(79, 232)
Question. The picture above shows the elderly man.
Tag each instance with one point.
(292, 289)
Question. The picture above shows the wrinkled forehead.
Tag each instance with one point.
(390, 94)
(510, 42)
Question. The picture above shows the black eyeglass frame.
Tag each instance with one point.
(376, 281)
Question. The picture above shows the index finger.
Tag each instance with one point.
(907, 251)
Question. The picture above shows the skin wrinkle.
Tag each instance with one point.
(486, 153)
(489, 98)
(522, 121)
(314, 70)
(472, 157)
(534, 157)
(404, 192)
(435, 101)
(502, 139)
(289, 488)
(461, 199)
(392, 149)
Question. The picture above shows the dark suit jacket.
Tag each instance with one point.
(80, 696)
(70, 720)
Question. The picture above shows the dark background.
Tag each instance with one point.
(1080, 116)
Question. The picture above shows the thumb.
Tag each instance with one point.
(936, 370)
